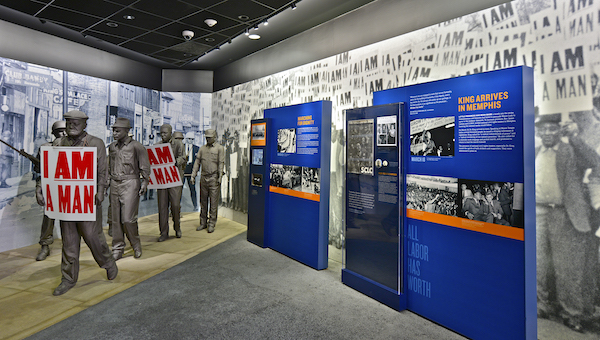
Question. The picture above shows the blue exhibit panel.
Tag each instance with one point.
(258, 187)
(465, 135)
(298, 192)
(373, 178)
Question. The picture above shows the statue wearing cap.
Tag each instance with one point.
(210, 160)
(564, 234)
(170, 196)
(91, 231)
(129, 172)
(47, 234)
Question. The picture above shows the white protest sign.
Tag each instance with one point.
(69, 182)
(163, 170)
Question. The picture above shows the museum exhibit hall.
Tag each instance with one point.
(299, 169)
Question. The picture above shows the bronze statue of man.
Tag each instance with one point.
(47, 235)
(128, 161)
(91, 231)
(170, 196)
(211, 160)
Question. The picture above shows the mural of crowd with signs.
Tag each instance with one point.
(559, 39)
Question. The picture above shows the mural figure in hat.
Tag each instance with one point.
(91, 231)
(191, 150)
(211, 161)
(564, 242)
(129, 172)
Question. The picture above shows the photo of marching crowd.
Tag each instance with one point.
(286, 176)
(432, 194)
(492, 202)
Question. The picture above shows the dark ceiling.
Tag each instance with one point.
(151, 30)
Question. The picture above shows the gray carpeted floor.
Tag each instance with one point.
(237, 290)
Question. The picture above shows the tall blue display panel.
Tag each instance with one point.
(374, 179)
(469, 229)
(259, 181)
(297, 147)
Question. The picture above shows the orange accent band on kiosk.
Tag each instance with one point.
(294, 193)
(463, 223)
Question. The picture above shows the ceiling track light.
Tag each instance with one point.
(293, 6)
(266, 23)
(246, 32)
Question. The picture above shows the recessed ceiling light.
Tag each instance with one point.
(254, 36)
(243, 17)
(112, 24)
(128, 17)
(210, 39)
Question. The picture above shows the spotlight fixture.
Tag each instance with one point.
(128, 17)
(254, 36)
(266, 23)
(112, 24)
(246, 32)
(293, 6)
(210, 22)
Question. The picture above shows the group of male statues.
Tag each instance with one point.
(125, 175)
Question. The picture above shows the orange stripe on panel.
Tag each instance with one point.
(463, 223)
(294, 193)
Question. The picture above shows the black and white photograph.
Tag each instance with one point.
(258, 136)
(491, 202)
(360, 146)
(386, 131)
(286, 140)
(311, 180)
(286, 176)
(432, 194)
(257, 156)
(432, 136)
(257, 180)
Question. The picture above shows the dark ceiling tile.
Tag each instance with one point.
(67, 17)
(174, 29)
(122, 2)
(275, 4)
(184, 50)
(160, 39)
(213, 39)
(121, 30)
(235, 8)
(28, 7)
(142, 20)
(167, 9)
(198, 21)
(105, 37)
(202, 3)
(141, 47)
(97, 8)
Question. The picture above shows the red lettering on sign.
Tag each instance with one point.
(153, 160)
(159, 176)
(46, 164)
(168, 178)
(164, 155)
(62, 166)
(49, 205)
(150, 181)
(175, 173)
(83, 168)
(76, 201)
(64, 199)
(88, 199)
